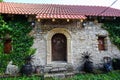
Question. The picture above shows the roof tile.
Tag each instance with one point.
(57, 11)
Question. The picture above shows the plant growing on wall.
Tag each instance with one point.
(21, 42)
(4, 29)
(114, 31)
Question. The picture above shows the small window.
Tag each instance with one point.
(7, 46)
(101, 43)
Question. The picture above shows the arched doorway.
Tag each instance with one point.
(50, 35)
(59, 47)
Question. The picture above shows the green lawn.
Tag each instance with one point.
(114, 75)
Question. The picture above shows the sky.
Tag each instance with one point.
(73, 2)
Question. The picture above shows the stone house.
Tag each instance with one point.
(62, 33)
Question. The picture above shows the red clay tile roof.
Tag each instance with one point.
(57, 11)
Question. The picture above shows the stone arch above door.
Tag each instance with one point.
(49, 38)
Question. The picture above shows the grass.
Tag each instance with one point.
(114, 75)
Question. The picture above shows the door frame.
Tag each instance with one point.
(49, 48)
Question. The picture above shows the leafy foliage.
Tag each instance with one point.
(114, 31)
(21, 42)
(4, 29)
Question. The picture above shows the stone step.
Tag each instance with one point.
(58, 68)
(59, 75)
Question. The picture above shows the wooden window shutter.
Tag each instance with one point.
(101, 43)
(7, 46)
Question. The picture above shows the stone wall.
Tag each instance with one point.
(82, 39)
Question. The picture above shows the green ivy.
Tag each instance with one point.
(19, 29)
(4, 29)
(114, 31)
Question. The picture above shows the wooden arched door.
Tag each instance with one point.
(59, 47)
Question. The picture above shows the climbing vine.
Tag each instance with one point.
(113, 28)
(21, 42)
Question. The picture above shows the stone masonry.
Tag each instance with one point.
(82, 39)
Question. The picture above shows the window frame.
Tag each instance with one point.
(103, 45)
